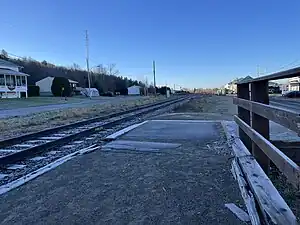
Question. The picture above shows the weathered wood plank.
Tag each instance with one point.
(243, 92)
(275, 76)
(287, 118)
(289, 168)
(246, 194)
(266, 194)
(239, 148)
(241, 214)
(259, 93)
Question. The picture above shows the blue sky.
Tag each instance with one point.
(199, 43)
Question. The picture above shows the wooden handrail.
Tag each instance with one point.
(275, 76)
(290, 169)
(287, 118)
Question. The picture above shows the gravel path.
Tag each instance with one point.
(186, 185)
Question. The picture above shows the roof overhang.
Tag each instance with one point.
(12, 72)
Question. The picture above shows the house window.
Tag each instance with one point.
(2, 80)
(10, 80)
(19, 82)
(23, 81)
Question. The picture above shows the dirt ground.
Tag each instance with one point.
(210, 107)
(15, 126)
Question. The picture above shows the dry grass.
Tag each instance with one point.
(16, 126)
(210, 104)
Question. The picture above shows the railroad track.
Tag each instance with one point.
(48, 145)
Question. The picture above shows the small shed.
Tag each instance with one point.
(46, 83)
(134, 90)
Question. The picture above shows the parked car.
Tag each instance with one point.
(292, 94)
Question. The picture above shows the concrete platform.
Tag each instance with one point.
(162, 172)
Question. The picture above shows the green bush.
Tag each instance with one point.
(61, 87)
(33, 90)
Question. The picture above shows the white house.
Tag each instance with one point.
(46, 83)
(13, 83)
(134, 90)
(294, 84)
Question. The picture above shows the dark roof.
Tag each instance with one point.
(242, 79)
(246, 79)
(7, 63)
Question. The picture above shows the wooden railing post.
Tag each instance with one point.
(260, 93)
(244, 114)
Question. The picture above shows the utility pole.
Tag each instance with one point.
(87, 61)
(258, 72)
(154, 77)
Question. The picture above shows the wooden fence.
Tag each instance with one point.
(254, 114)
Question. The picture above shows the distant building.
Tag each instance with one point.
(46, 83)
(284, 88)
(13, 83)
(274, 87)
(232, 86)
(134, 90)
(294, 84)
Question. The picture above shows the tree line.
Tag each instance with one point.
(104, 78)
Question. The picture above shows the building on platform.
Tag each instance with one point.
(134, 90)
(294, 84)
(231, 87)
(13, 83)
(46, 83)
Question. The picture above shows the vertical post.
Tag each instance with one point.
(26, 86)
(154, 77)
(16, 84)
(260, 93)
(244, 114)
(5, 85)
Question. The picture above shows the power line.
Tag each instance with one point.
(154, 76)
(289, 64)
(87, 61)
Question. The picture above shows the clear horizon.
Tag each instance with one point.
(194, 43)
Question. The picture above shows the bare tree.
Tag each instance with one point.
(146, 81)
(4, 54)
(100, 69)
(75, 66)
(112, 70)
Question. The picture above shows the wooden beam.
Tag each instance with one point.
(269, 200)
(289, 168)
(246, 193)
(276, 76)
(243, 92)
(287, 118)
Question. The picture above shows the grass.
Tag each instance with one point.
(36, 101)
(15, 126)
